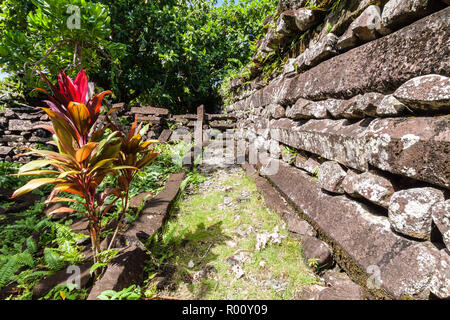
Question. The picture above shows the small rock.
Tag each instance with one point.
(335, 107)
(191, 264)
(323, 49)
(299, 227)
(365, 28)
(314, 248)
(347, 292)
(238, 271)
(305, 109)
(310, 292)
(230, 243)
(361, 106)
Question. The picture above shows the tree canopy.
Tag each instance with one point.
(168, 53)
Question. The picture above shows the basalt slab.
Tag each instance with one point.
(71, 274)
(155, 211)
(125, 269)
(361, 240)
(340, 140)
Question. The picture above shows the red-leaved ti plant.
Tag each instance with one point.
(74, 103)
(83, 159)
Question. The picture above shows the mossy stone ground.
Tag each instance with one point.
(211, 238)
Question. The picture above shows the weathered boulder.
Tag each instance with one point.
(4, 151)
(410, 211)
(389, 106)
(323, 49)
(365, 28)
(298, 20)
(63, 277)
(362, 105)
(318, 250)
(311, 166)
(374, 188)
(430, 92)
(440, 213)
(413, 147)
(334, 106)
(440, 283)
(298, 227)
(397, 13)
(284, 5)
(331, 175)
(300, 160)
(348, 183)
(305, 109)
(296, 110)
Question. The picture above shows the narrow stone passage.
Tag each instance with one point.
(222, 242)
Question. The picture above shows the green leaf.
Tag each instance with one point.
(34, 184)
(33, 165)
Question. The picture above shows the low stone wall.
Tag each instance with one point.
(359, 116)
(22, 126)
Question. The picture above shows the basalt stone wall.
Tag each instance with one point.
(23, 126)
(20, 127)
(357, 120)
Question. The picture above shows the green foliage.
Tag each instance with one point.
(6, 181)
(10, 265)
(66, 291)
(36, 36)
(131, 293)
(170, 53)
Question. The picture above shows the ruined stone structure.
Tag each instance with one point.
(359, 115)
